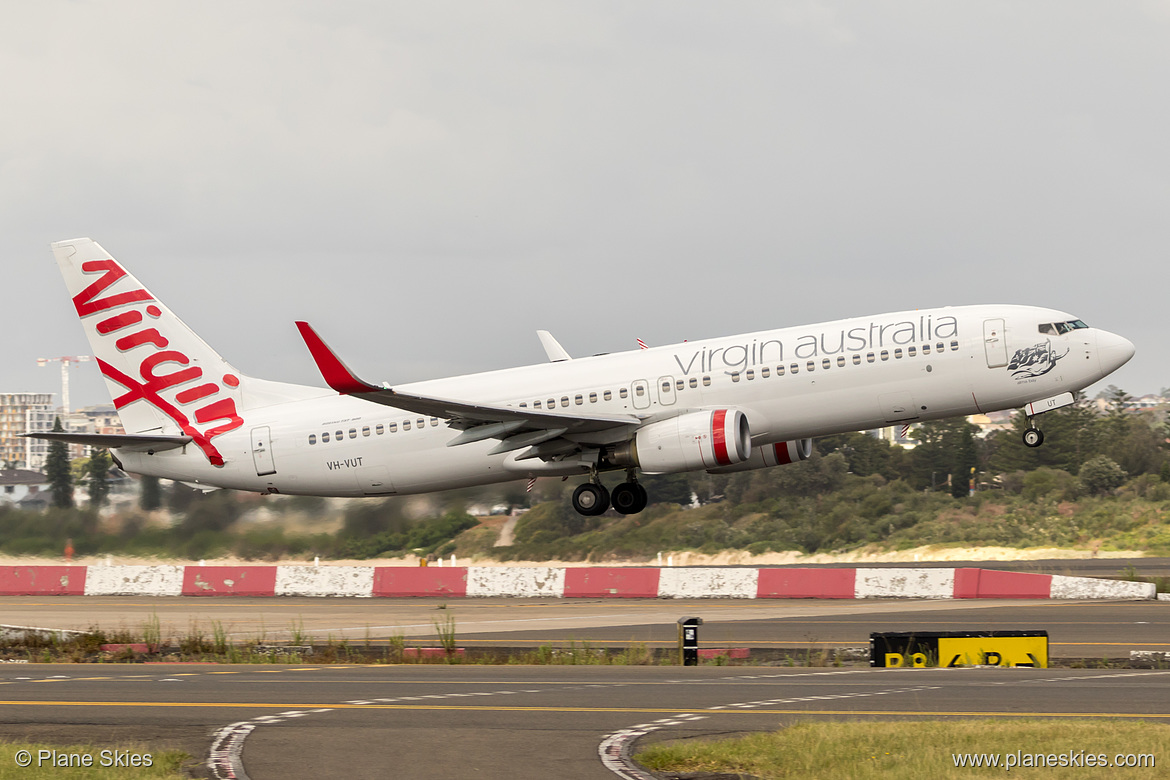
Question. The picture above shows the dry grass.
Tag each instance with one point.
(918, 750)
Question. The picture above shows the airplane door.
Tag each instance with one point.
(640, 390)
(994, 343)
(666, 390)
(262, 452)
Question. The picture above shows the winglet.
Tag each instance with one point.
(336, 374)
(556, 353)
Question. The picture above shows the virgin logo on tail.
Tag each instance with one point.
(131, 328)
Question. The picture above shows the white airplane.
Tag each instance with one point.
(725, 404)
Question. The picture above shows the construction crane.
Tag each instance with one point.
(65, 362)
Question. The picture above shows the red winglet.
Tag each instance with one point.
(336, 374)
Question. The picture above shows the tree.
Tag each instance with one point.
(1101, 475)
(58, 472)
(97, 474)
(151, 496)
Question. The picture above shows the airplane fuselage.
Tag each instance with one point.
(791, 384)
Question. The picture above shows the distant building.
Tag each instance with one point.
(24, 488)
(24, 413)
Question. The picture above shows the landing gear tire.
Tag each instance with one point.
(629, 498)
(1033, 437)
(590, 499)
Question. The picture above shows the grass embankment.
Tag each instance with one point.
(920, 750)
(65, 762)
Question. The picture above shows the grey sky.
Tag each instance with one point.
(429, 183)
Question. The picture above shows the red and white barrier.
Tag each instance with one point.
(717, 582)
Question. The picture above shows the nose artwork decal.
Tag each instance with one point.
(1035, 360)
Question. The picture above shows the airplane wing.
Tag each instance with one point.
(137, 442)
(517, 428)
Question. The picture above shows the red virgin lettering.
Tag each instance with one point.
(119, 321)
(85, 302)
(162, 369)
(148, 336)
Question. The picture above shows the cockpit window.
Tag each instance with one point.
(1059, 328)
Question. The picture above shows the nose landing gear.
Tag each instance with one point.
(1033, 436)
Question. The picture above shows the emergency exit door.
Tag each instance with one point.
(262, 452)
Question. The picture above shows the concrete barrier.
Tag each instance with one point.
(556, 582)
(407, 581)
(611, 582)
(905, 584)
(807, 584)
(518, 581)
(708, 583)
(229, 581)
(159, 580)
(42, 580)
(354, 581)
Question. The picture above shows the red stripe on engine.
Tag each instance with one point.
(719, 437)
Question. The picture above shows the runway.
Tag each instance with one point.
(516, 722)
(1095, 630)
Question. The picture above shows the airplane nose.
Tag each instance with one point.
(1113, 351)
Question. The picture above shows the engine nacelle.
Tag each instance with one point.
(698, 440)
(771, 455)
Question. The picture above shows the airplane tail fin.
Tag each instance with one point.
(163, 378)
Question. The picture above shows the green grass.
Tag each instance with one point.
(915, 750)
(165, 764)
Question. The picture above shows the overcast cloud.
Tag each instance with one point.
(429, 183)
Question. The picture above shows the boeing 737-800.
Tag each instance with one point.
(725, 404)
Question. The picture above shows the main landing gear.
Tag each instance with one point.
(592, 499)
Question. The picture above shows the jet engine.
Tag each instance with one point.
(769, 455)
(689, 442)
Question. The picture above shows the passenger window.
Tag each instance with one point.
(623, 393)
(607, 395)
(365, 430)
(552, 403)
(523, 404)
(840, 361)
(679, 385)
(826, 363)
(810, 365)
(794, 368)
(751, 374)
(869, 357)
(666, 387)
(885, 353)
(765, 372)
(339, 435)
(940, 347)
(779, 370)
(593, 398)
(925, 349)
(421, 422)
(406, 425)
(735, 376)
(325, 437)
(639, 391)
(898, 353)
(857, 358)
(312, 438)
(910, 351)
(379, 429)
(706, 381)
(393, 427)
(578, 399)
(693, 382)
(564, 400)
(954, 345)
(434, 422)
(536, 405)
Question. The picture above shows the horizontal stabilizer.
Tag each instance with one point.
(137, 442)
